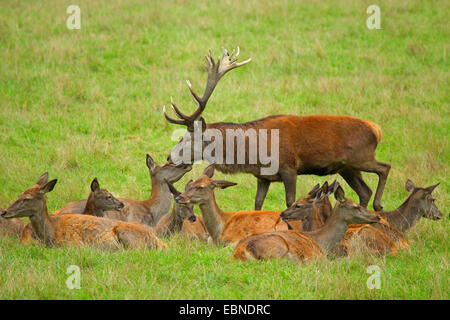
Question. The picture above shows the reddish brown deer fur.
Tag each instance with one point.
(182, 220)
(12, 227)
(147, 212)
(314, 144)
(98, 202)
(226, 228)
(377, 240)
(77, 229)
(295, 245)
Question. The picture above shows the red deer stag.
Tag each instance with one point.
(306, 246)
(226, 228)
(77, 229)
(313, 144)
(146, 212)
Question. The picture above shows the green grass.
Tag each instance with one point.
(88, 103)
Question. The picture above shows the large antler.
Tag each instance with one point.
(216, 70)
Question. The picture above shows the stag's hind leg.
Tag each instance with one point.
(356, 182)
(382, 170)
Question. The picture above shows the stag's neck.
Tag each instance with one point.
(159, 202)
(91, 208)
(404, 217)
(43, 226)
(332, 232)
(213, 218)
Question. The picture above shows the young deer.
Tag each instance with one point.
(99, 201)
(11, 227)
(181, 220)
(377, 241)
(314, 144)
(77, 229)
(147, 212)
(309, 245)
(226, 227)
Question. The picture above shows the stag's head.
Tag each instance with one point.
(423, 200)
(187, 149)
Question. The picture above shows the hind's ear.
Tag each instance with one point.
(431, 188)
(150, 162)
(48, 186)
(223, 184)
(314, 190)
(95, 186)
(209, 171)
(172, 188)
(43, 179)
(339, 194)
(332, 188)
(409, 186)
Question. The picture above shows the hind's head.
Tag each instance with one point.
(32, 201)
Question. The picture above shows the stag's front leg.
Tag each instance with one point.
(261, 192)
(290, 185)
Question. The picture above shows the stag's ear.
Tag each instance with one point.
(95, 186)
(339, 194)
(409, 186)
(172, 188)
(209, 171)
(43, 179)
(314, 190)
(48, 186)
(431, 188)
(150, 162)
(223, 184)
(319, 195)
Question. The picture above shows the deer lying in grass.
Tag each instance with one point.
(419, 204)
(99, 201)
(12, 227)
(377, 241)
(313, 144)
(181, 220)
(77, 229)
(147, 212)
(306, 246)
(226, 228)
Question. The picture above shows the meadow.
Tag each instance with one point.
(88, 103)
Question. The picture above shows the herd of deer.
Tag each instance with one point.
(309, 228)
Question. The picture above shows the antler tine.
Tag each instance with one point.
(180, 114)
(195, 97)
(172, 120)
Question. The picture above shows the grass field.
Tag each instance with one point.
(88, 103)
